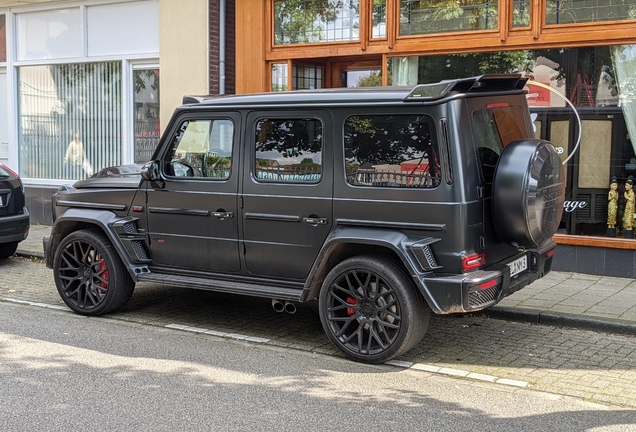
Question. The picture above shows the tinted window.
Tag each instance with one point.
(289, 150)
(202, 148)
(493, 129)
(391, 151)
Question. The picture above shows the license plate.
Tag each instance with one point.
(518, 265)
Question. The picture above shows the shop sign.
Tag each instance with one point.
(570, 206)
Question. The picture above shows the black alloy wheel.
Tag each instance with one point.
(89, 275)
(370, 309)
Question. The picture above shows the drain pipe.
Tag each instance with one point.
(222, 47)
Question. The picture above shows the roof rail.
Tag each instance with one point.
(482, 83)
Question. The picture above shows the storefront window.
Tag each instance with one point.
(582, 11)
(279, 77)
(146, 99)
(312, 21)
(600, 83)
(306, 77)
(521, 13)
(434, 16)
(3, 39)
(379, 19)
(70, 119)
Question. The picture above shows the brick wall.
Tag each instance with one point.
(230, 44)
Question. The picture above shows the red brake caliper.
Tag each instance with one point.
(103, 270)
(351, 311)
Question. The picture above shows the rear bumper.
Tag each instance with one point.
(474, 291)
(15, 228)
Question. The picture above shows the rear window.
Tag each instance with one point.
(493, 129)
(393, 151)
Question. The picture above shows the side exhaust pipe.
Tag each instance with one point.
(278, 305)
(290, 307)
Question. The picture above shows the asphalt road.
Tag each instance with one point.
(60, 371)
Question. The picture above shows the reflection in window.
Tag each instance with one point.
(279, 77)
(289, 150)
(582, 11)
(493, 129)
(391, 151)
(311, 21)
(75, 106)
(147, 127)
(3, 39)
(202, 148)
(306, 77)
(428, 69)
(436, 16)
(378, 18)
(521, 13)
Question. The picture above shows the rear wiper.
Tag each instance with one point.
(3, 177)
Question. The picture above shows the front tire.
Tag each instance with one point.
(89, 274)
(370, 309)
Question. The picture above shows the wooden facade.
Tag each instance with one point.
(255, 49)
(256, 52)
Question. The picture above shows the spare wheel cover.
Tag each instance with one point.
(528, 193)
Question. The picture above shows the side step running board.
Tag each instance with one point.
(249, 289)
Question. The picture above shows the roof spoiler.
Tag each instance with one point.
(477, 84)
(187, 99)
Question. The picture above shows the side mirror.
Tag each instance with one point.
(150, 171)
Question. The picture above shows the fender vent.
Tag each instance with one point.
(478, 299)
(429, 257)
(139, 250)
(130, 228)
(424, 254)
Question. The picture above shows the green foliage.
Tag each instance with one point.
(303, 21)
(372, 80)
(437, 68)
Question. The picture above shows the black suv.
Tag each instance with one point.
(383, 203)
(14, 216)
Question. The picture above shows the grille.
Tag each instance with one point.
(130, 228)
(479, 298)
(139, 250)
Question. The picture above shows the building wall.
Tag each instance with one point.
(251, 73)
(184, 62)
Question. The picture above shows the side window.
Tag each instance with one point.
(202, 148)
(396, 151)
(288, 150)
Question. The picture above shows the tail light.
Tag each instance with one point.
(473, 261)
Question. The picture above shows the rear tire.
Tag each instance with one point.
(89, 274)
(7, 249)
(370, 309)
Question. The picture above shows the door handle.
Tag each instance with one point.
(223, 214)
(315, 220)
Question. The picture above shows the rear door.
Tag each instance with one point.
(287, 191)
(494, 125)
